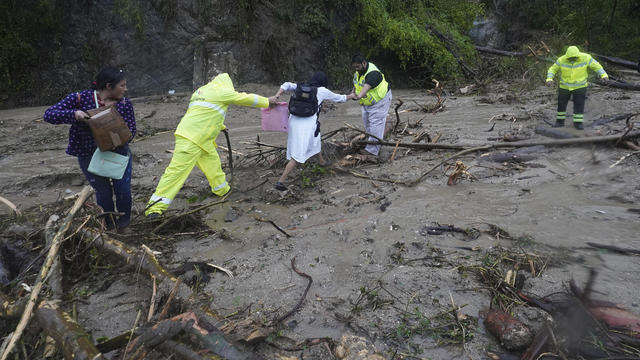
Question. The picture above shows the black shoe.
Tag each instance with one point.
(153, 216)
(280, 186)
(558, 124)
(578, 125)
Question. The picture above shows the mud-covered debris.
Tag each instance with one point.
(511, 333)
(353, 347)
(233, 214)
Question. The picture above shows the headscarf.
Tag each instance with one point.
(319, 79)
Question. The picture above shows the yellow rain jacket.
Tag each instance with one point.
(573, 75)
(205, 116)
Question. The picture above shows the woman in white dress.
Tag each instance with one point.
(303, 141)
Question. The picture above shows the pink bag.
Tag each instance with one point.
(276, 118)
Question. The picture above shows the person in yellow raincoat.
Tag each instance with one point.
(573, 66)
(195, 140)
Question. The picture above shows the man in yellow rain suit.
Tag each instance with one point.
(573, 67)
(195, 140)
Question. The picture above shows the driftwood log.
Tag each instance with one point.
(72, 339)
(466, 149)
(623, 85)
(516, 144)
(500, 52)
(618, 61)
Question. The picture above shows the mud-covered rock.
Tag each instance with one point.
(511, 332)
(353, 347)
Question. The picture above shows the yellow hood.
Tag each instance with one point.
(222, 80)
(572, 51)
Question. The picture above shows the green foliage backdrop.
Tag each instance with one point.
(609, 27)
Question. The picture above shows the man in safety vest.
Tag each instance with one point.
(373, 93)
(195, 140)
(573, 83)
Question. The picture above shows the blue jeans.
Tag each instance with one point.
(106, 187)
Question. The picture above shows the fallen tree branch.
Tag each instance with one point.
(622, 85)
(44, 271)
(515, 144)
(617, 61)
(446, 42)
(364, 132)
(72, 339)
(500, 52)
(209, 321)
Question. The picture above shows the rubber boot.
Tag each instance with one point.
(578, 125)
(559, 124)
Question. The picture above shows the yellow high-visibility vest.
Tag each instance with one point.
(573, 75)
(374, 94)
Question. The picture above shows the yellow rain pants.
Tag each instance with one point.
(185, 156)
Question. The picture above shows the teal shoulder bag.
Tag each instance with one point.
(108, 164)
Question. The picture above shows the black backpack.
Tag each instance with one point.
(304, 101)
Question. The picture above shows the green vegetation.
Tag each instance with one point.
(25, 27)
(132, 13)
(609, 27)
(408, 31)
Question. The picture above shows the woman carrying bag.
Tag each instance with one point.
(108, 90)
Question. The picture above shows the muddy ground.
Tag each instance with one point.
(376, 271)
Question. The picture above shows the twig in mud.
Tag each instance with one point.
(629, 127)
(359, 175)
(395, 149)
(395, 126)
(10, 205)
(363, 132)
(304, 295)
(272, 223)
(152, 303)
(217, 267)
(254, 187)
(456, 155)
(172, 294)
(623, 158)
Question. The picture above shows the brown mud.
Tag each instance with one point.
(377, 271)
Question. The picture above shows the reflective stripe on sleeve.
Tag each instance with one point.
(208, 105)
(255, 100)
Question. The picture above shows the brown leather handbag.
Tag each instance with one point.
(108, 127)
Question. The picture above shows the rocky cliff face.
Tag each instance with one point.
(179, 45)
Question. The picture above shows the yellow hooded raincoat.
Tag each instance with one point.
(195, 140)
(573, 75)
